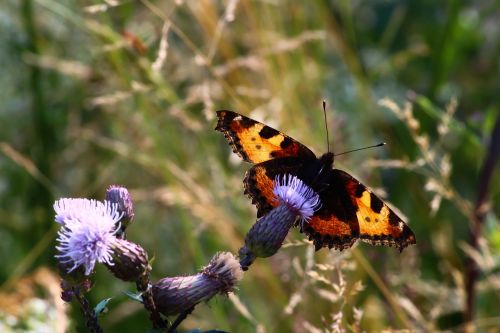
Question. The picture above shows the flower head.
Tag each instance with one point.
(299, 197)
(264, 239)
(87, 233)
(173, 295)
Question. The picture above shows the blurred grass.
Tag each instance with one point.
(82, 107)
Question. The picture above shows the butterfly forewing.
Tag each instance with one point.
(255, 142)
(259, 180)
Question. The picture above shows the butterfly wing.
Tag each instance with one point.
(259, 180)
(255, 142)
(378, 224)
(335, 224)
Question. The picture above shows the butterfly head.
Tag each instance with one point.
(327, 160)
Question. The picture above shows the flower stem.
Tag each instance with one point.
(89, 314)
(149, 304)
(180, 318)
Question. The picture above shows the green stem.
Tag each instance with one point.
(90, 316)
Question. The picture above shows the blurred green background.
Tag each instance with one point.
(94, 93)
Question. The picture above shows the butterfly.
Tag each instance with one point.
(349, 211)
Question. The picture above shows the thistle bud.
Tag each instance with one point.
(121, 197)
(174, 295)
(129, 260)
(296, 201)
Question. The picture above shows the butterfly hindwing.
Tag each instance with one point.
(335, 224)
(259, 181)
(255, 142)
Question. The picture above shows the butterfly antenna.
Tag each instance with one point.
(326, 128)
(350, 151)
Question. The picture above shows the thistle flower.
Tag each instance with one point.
(297, 196)
(87, 233)
(296, 201)
(119, 195)
(174, 295)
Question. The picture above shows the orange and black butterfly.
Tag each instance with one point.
(349, 211)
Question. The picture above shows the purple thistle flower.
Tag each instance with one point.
(87, 233)
(296, 200)
(300, 198)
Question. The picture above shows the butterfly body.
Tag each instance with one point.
(349, 211)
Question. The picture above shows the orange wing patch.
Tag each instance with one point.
(255, 142)
(330, 231)
(259, 187)
(378, 224)
(259, 181)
